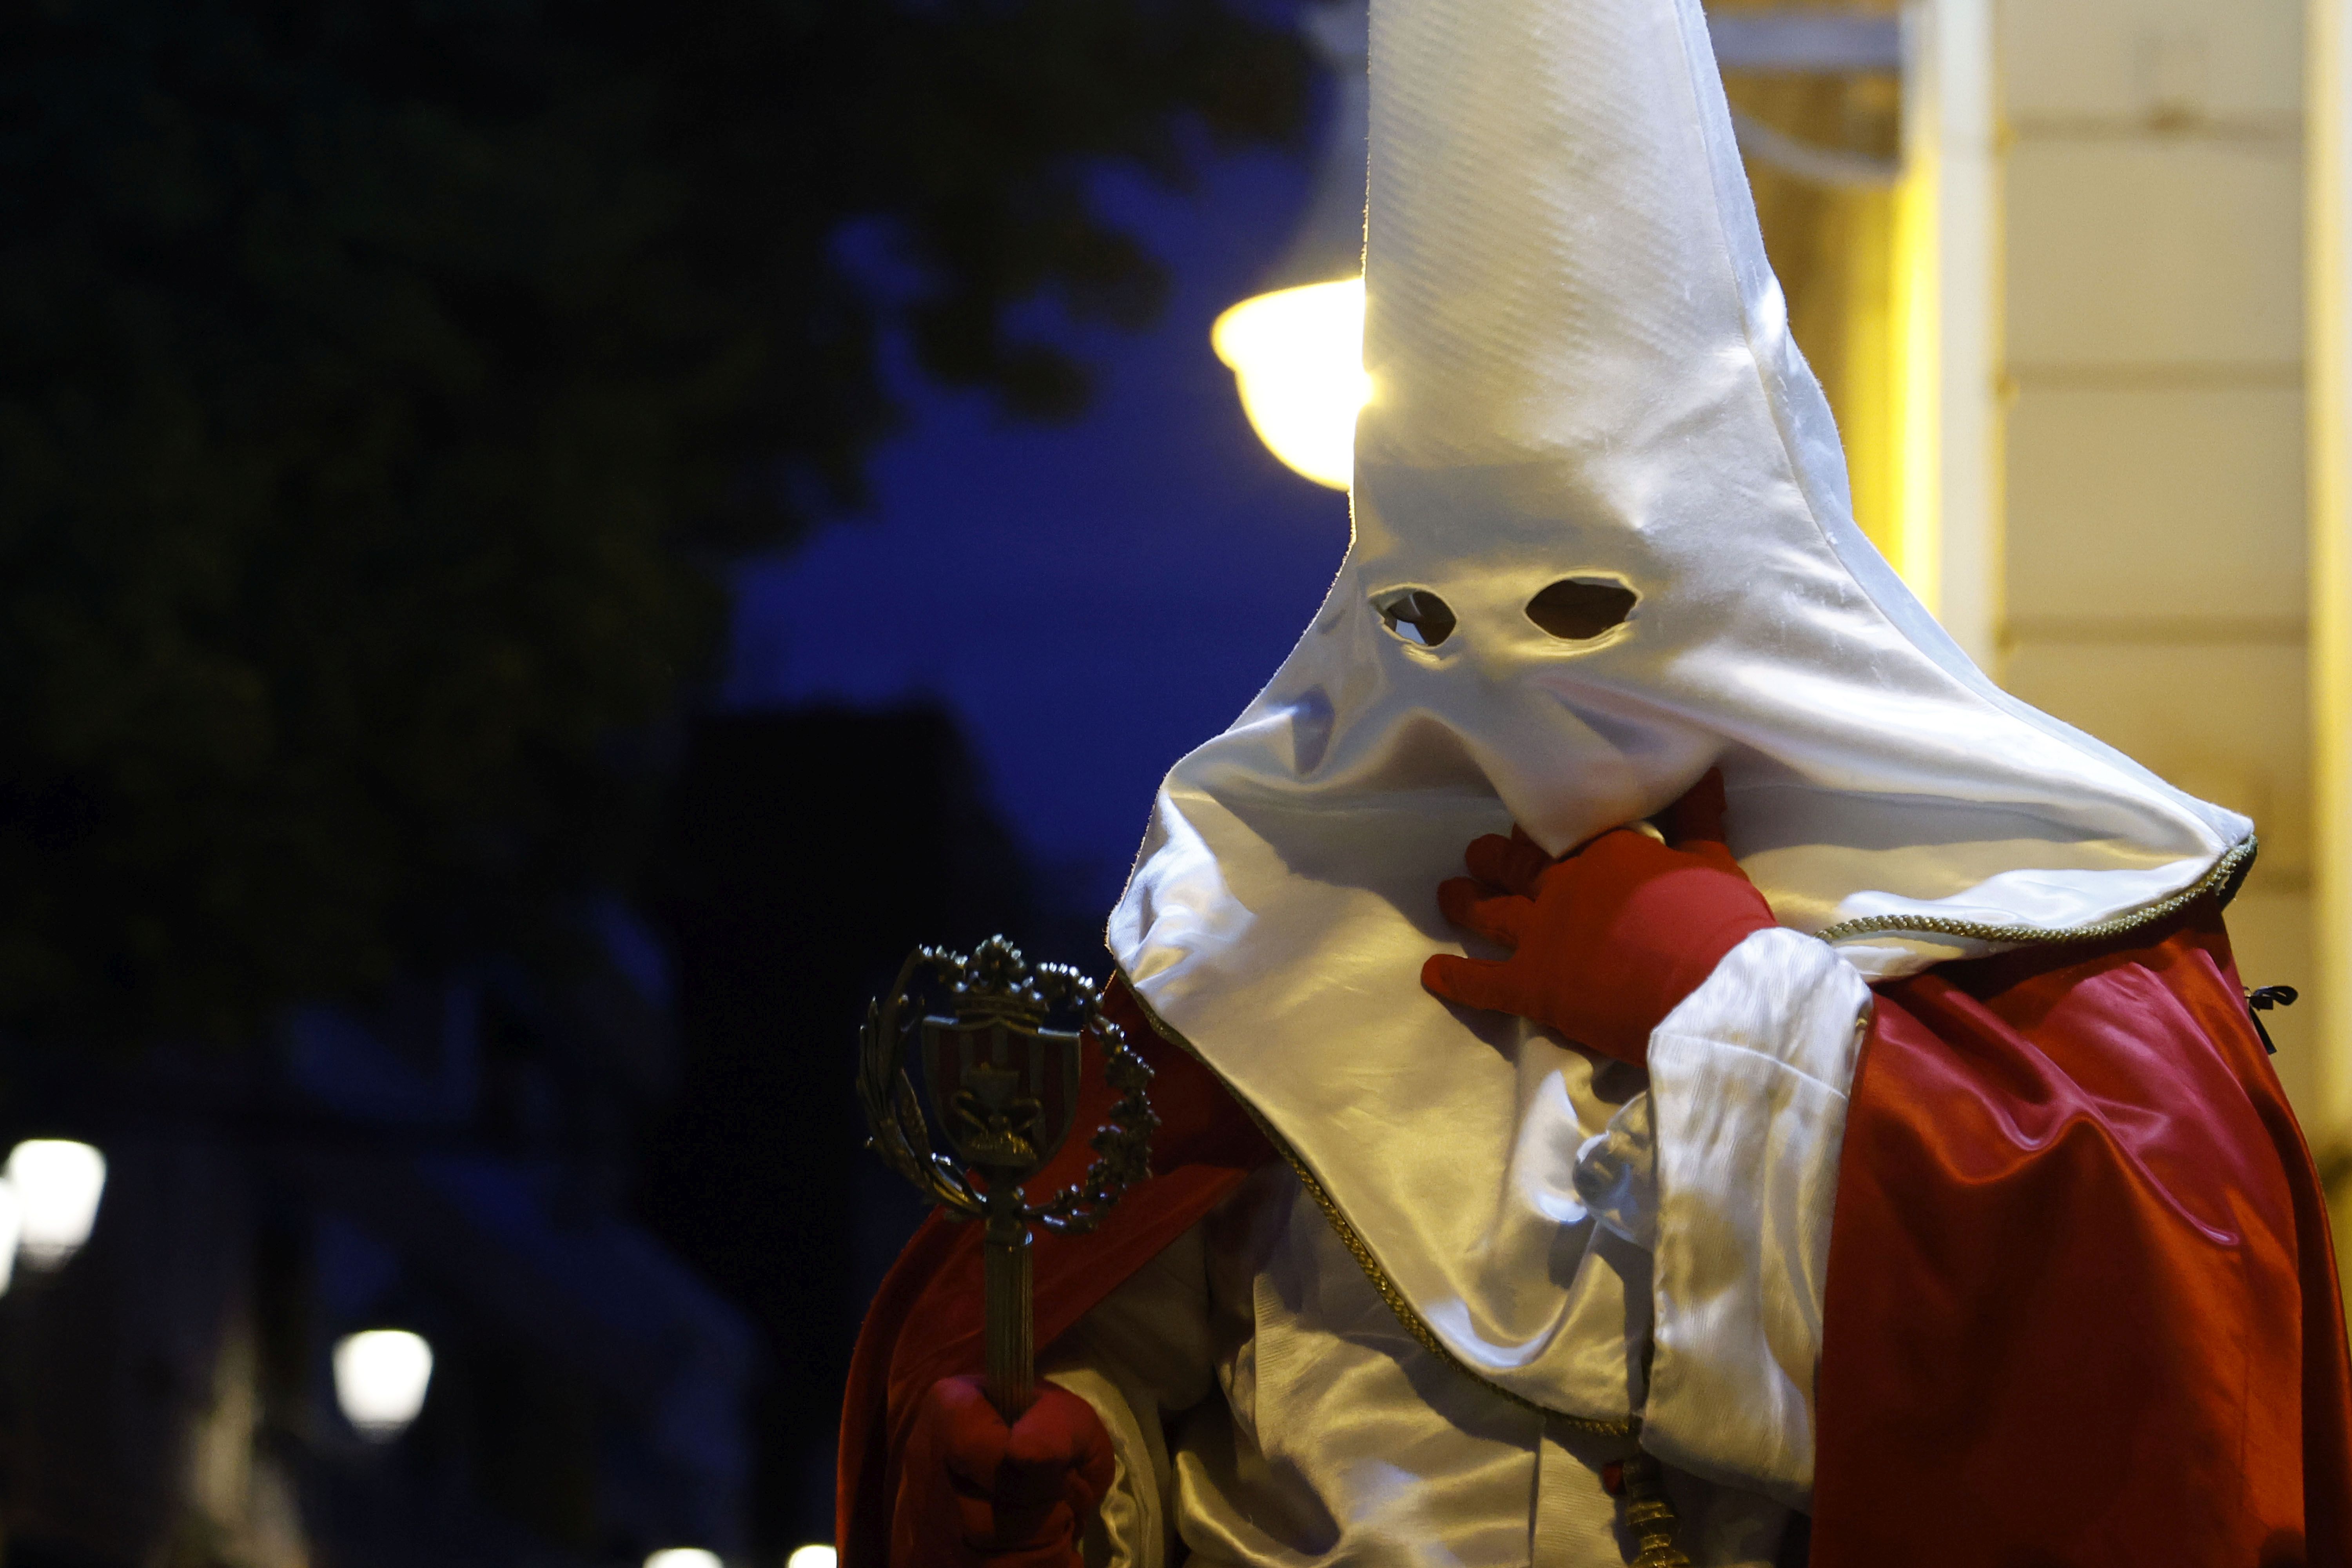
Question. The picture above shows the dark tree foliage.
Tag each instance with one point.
(381, 382)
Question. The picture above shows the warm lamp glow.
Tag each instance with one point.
(691, 1557)
(58, 1184)
(1298, 355)
(812, 1557)
(381, 1376)
(12, 1231)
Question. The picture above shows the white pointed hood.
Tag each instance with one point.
(1582, 370)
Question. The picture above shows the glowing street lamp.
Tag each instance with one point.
(812, 1557)
(1297, 348)
(381, 1376)
(12, 1230)
(57, 1183)
(685, 1557)
(1299, 356)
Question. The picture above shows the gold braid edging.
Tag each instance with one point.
(1629, 1429)
(2223, 879)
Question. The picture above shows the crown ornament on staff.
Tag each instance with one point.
(998, 1044)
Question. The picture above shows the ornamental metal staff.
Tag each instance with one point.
(1005, 1081)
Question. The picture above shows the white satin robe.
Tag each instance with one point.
(1269, 1409)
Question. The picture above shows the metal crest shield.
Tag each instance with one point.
(998, 1044)
(1007, 1090)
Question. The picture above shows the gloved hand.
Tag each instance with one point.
(1608, 938)
(972, 1492)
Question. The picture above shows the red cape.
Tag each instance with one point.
(2082, 1305)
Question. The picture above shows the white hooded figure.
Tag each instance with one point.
(1602, 543)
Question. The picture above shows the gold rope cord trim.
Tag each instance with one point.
(1629, 1429)
(2222, 879)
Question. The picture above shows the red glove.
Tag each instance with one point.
(1610, 937)
(974, 1492)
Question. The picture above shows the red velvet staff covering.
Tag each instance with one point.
(925, 1322)
(2082, 1304)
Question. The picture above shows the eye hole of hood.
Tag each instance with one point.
(1417, 616)
(1578, 609)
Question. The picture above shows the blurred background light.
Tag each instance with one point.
(689, 1557)
(1298, 355)
(381, 1376)
(1296, 348)
(12, 1228)
(812, 1557)
(56, 1186)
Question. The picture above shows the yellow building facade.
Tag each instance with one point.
(2085, 352)
(2150, 409)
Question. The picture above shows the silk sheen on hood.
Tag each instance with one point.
(1582, 371)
